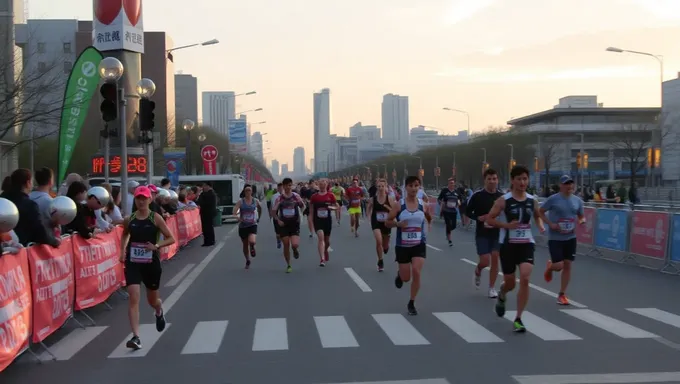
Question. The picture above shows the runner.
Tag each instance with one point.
(272, 215)
(268, 196)
(288, 218)
(307, 193)
(248, 211)
(379, 207)
(449, 201)
(409, 219)
(564, 209)
(321, 219)
(517, 240)
(141, 255)
(338, 192)
(486, 236)
(354, 195)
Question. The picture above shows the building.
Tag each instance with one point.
(284, 170)
(364, 132)
(322, 129)
(422, 138)
(275, 168)
(344, 152)
(670, 136)
(395, 120)
(255, 147)
(299, 166)
(186, 98)
(11, 12)
(311, 165)
(608, 135)
(218, 109)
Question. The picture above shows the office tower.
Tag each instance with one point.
(299, 161)
(186, 98)
(395, 120)
(218, 109)
(322, 129)
(275, 168)
(284, 170)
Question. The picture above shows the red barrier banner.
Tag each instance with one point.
(98, 271)
(171, 250)
(15, 306)
(188, 225)
(649, 235)
(585, 233)
(53, 287)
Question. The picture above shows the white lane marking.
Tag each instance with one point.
(270, 335)
(72, 343)
(658, 315)
(180, 275)
(232, 230)
(358, 280)
(334, 332)
(421, 381)
(147, 334)
(607, 378)
(433, 247)
(609, 324)
(399, 330)
(533, 286)
(191, 277)
(205, 338)
(468, 329)
(542, 328)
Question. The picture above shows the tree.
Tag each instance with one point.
(632, 143)
(549, 157)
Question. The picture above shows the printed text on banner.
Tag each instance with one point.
(584, 233)
(188, 226)
(650, 234)
(612, 229)
(15, 306)
(171, 250)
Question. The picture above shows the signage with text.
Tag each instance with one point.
(137, 165)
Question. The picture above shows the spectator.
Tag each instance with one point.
(84, 223)
(72, 177)
(165, 183)
(208, 203)
(113, 208)
(44, 177)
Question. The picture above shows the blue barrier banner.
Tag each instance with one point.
(612, 229)
(675, 238)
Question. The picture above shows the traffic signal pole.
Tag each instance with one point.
(122, 131)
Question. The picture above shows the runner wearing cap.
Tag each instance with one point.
(564, 211)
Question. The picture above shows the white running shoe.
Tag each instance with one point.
(492, 293)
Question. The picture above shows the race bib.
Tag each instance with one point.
(139, 253)
(322, 213)
(289, 212)
(486, 225)
(411, 236)
(355, 202)
(566, 225)
(248, 217)
(451, 204)
(381, 216)
(521, 234)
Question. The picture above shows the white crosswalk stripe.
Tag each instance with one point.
(336, 332)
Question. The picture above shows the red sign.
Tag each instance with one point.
(584, 233)
(15, 300)
(649, 235)
(136, 165)
(52, 285)
(209, 155)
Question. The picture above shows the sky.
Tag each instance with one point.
(495, 59)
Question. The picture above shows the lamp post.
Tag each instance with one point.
(145, 89)
(188, 125)
(466, 115)
(581, 168)
(208, 42)
(111, 70)
(512, 160)
(250, 110)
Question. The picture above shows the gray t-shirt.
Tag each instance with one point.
(563, 211)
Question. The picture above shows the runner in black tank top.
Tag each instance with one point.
(379, 209)
(517, 240)
(140, 247)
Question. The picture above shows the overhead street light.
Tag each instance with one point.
(658, 58)
(249, 110)
(208, 42)
(463, 112)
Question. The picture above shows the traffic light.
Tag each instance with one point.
(146, 115)
(578, 161)
(585, 161)
(512, 163)
(421, 172)
(536, 164)
(109, 106)
(653, 157)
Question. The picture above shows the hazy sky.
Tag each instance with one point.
(497, 59)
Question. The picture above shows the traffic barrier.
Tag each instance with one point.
(612, 229)
(649, 235)
(585, 234)
(42, 287)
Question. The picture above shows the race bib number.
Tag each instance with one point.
(248, 217)
(355, 202)
(411, 236)
(322, 213)
(381, 216)
(451, 204)
(566, 225)
(521, 234)
(289, 212)
(139, 253)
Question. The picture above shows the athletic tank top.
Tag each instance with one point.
(522, 211)
(288, 208)
(414, 233)
(142, 232)
(380, 211)
(248, 213)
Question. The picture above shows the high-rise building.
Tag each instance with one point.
(275, 168)
(299, 161)
(322, 129)
(186, 98)
(284, 170)
(218, 109)
(395, 120)
(311, 165)
(255, 146)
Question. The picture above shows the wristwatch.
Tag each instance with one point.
(157, 247)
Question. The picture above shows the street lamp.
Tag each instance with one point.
(208, 42)
(463, 112)
(145, 89)
(250, 110)
(658, 58)
(188, 125)
(581, 169)
(512, 162)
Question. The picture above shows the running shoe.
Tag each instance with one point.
(398, 282)
(450, 243)
(411, 307)
(134, 343)
(296, 253)
(381, 265)
(492, 293)
(289, 269)
(500, 304)
(518, 326)
(160, 321)
(247, 264)
(322, 264)
(278, 243)
(252, 251)
(562, 299)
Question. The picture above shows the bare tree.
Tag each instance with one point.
(632, 143)
(549, 156)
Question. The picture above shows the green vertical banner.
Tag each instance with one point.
(82, 83)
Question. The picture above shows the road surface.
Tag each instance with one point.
(347, 323)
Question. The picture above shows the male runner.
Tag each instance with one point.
(379, 207)
(272, 215)
(409, 218)
(486, 236)
(338, 192)
(517, 240)
(288, 217)
(564, 209)
(320, 206)
(449, 201)
(354, 195)
(307, 194)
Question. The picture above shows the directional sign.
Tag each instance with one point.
(209, 153)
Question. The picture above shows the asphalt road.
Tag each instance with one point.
(347, 323)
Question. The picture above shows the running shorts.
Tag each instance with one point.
(323, 225)
(404, 255)
(306, 211)
(244, 232)
(147, 273)
(486, 245)
(561, 250)
(354, 211)
(512, 255)
(289, 229)
(450, 219)
(339, 202)
(382, 227)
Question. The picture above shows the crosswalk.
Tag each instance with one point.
(336, 332)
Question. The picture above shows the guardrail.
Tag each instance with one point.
(42, 287)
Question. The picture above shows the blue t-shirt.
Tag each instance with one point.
(563, 211)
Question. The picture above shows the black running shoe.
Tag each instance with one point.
(134, 343)
(398, 282)
(160, 322)
(412, 308)
(296, 253)
(381, 265)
